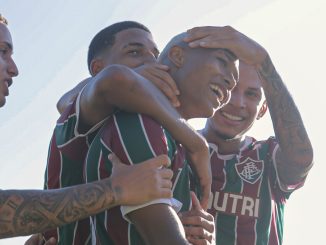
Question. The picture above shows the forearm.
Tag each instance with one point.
(169, 231)
(24, 212)
(295, 157)
(131, 92)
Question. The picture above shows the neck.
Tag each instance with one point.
(225, 146)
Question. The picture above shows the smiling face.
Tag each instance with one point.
(205, 81)
(246, 103)
(132, 47)
(8, 68)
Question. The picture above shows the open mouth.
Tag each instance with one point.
(9, 82)
(218, 91)
(232, 117)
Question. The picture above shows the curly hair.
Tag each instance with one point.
(3, 20)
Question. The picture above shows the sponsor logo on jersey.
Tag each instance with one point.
(250, 170)
(235, 204)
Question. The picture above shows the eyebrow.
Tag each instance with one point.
(255, 89)
(231, 56)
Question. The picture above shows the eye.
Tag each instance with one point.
(253, 95)
(133, 52)
(222, 61)
(4, 51)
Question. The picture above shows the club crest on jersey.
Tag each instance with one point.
(250, 170)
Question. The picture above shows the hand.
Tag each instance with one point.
(200, 162)
(227, 37)
(142, 182)
(37, 239)
(198, 224)
(158, 75)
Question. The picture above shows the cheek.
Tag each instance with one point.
(3, 66)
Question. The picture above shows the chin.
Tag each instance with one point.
(227, 135)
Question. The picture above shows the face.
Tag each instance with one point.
(237, 117)
(132, 47)
(8, 68)
(208, 76)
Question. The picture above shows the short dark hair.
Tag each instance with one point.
(106, 38)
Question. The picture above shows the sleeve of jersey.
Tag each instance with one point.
(69, 126)
(286, 188)
(138, 138)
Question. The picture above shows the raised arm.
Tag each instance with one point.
(120, 87)
(24, 212)
(295, 155)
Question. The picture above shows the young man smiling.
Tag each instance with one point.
(129, 44)
(205, 78)
(252, 179)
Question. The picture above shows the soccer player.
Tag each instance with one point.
(129, 44)
(205, 78)
(24, 212)
(252, 179)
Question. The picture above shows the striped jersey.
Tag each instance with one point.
(133, 138)
(66, 157)
(248, 198)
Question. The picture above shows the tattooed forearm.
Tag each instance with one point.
(33, 211)
(296, 149)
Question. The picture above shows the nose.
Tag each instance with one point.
(12, 68)
(230, 77)
(237, 99)
(150, 58)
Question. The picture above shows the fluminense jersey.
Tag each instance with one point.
(248, 198)
(133, 138)
(66, 157)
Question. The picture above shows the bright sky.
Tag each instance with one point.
(51, 40)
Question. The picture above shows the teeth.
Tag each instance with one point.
(232, 117)
(218, 91)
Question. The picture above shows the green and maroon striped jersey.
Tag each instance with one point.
(66, 157)
(248, 198)
(133, 138)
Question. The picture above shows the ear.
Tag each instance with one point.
(176, 56)
(96, 66)
(262, 110)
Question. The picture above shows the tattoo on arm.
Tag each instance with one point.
(33, 211)
(296, 149)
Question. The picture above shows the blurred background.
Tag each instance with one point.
(50, 48)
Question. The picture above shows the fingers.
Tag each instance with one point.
(198, 232)
(197, 33)
(114, 159)
(199, 241)
(161, 72)
(206, 191)
(163, 82)
(158, 75)
(159, 161)
(37, 239)
(196, 218)
(195, 202)
(164, 193)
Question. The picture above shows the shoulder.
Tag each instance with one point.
(68, 114)
(137, 136)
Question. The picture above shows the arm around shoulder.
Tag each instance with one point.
(159, 224)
